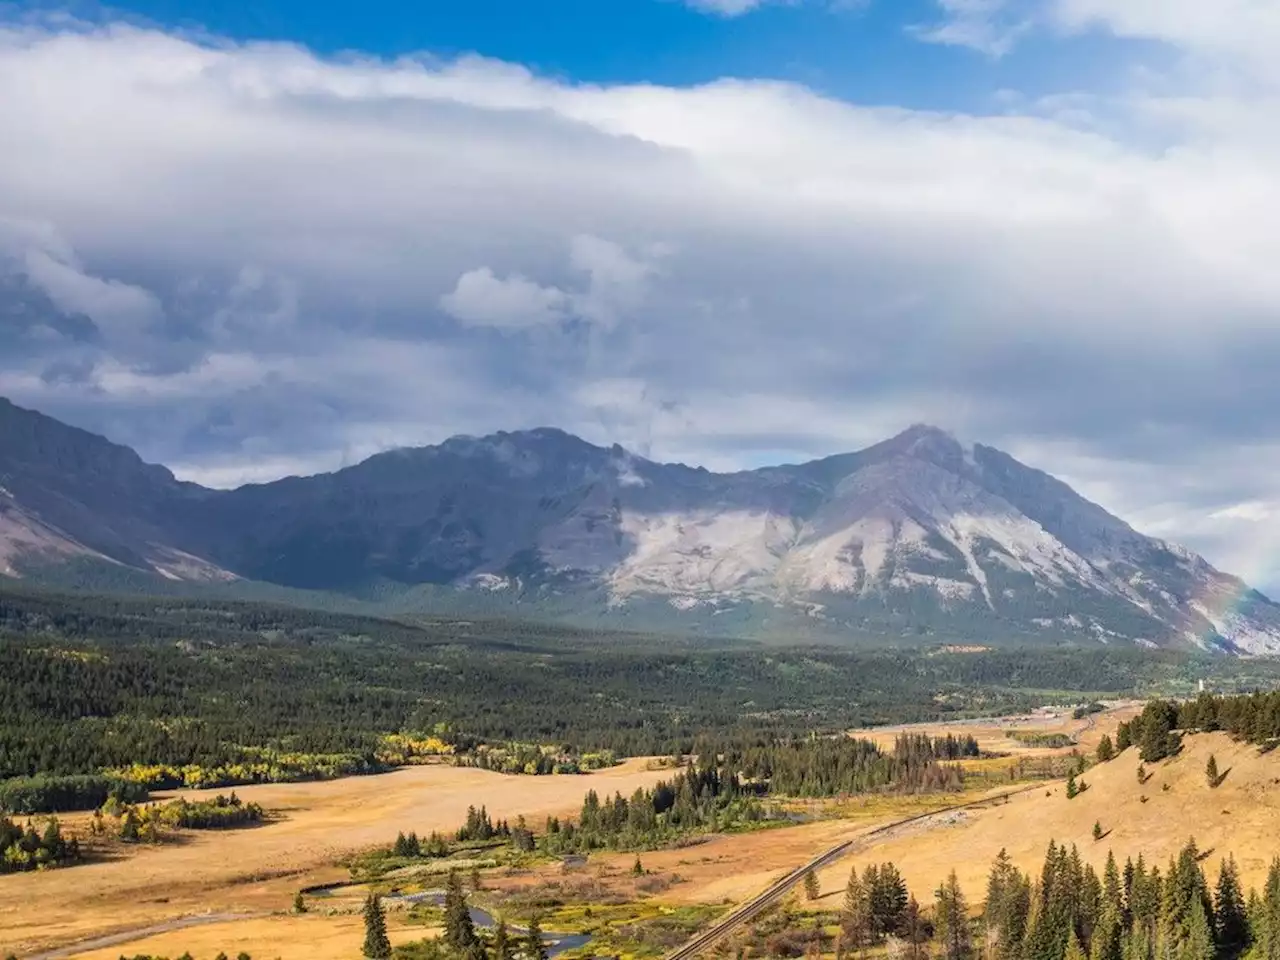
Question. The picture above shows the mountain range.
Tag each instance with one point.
(916, 538)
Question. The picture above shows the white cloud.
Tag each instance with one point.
(615, 284)
(727, 8)
(482, 299)
(1242, 34)
(992, 27)
(120, 310)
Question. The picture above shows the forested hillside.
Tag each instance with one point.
(280, 693)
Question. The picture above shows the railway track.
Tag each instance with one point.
(780, 888)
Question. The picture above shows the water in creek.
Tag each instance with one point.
(557, 943)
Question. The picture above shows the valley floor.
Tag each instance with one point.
(254, 873)
(257, 870)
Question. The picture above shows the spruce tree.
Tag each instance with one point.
(1211, 771)
(535, 949)
(1106, 750)
(1199, 942)
(1124, 737)
(855, 916)
(1231, 920)
(459, 931)
(1072, 789)
(951, 921)
(1007, 906)
(376, 944)
(888, 894)
(299, 905)
(502, 947)
(914, 932)
(811, 889)
(1265, 925)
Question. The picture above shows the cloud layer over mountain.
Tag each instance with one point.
(246, 260)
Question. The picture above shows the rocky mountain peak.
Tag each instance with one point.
(917, 536)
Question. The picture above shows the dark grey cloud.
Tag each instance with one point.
(246, 261)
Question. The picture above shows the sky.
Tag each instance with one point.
(275, 237)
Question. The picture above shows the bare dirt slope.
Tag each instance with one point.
(254, 870)
(1238, 817)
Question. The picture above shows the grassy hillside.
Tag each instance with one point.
(1238, 817)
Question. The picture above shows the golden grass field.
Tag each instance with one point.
(1239, 817)
(255, 872)
(306, 937)
(258, 870)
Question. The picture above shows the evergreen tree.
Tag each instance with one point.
(637, 868)
(1199, 942)
(1072, 789)
(1124, 738)
(459, 931)
(1231, 920)
(1211, 771)
(1008, 903)
(1074, 950)
(1107, 942)
(1185, 907)
(1097, 829)
(535, 949)
(477, 884)
(951, 920)
(502, 947)
(376, 944)
(811, 890)
(1106, 750)
(855, 916)
(888, 894)
(299, 905)
(1265, 919)
(914, 930)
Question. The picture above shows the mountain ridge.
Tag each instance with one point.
(918, 535)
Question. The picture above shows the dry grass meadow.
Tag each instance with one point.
(258, 870)
(246, 879)
(1238, 817)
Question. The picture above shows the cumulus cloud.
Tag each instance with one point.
(726, 8)
(483, 300)
(287, 262)
(38, 252)
(988, 26)
(615, 284)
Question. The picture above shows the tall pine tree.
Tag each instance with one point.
(459, 931)
(376, 944)
(855, 915)
(502, 948)
(1231, 920)
(951, 921)
(535, 949)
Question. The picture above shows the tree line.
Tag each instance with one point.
(1068, 912)
(1157, 731)
(24, 848)
(826, 767)
(91, 683)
